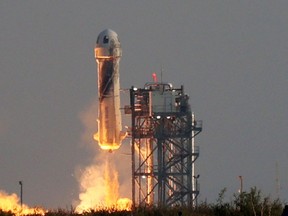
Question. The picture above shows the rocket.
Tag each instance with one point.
(107, 54)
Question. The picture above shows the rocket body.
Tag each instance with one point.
(107, 54)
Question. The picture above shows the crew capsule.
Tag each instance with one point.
(108, 45)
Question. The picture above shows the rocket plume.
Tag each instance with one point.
(100, 186)
(10, 203)
(99, 181)
(111, 184)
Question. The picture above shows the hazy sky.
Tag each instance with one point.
(231, 57)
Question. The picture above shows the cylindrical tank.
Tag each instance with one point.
(107, 54)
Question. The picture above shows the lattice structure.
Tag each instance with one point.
(162, 131)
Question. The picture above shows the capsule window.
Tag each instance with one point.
(105, 39)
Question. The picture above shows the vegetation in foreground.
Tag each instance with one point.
(251, 203)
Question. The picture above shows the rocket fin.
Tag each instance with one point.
(96, 136)
(123, 135)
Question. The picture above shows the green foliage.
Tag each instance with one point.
(251, 203)
(255, 204)
(221, 208)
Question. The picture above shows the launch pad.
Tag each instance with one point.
(163, 149)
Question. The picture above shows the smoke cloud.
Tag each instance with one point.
(105, 179)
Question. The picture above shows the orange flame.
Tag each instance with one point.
(11, 203)
(99, 183)
(100, 188)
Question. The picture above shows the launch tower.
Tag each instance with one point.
(163, 150)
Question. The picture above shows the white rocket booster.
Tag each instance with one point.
(107, 54)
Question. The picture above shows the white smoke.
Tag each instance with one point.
(105, 179)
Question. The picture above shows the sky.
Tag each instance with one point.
(231, 57)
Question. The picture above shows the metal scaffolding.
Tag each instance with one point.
(163, 151)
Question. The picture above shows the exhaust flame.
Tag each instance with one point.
(99, 182)
(111, 147)
(10, 203)
(100, 187)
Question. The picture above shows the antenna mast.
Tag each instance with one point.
(277, 180)
(161, 73)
